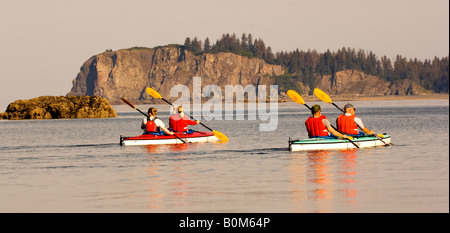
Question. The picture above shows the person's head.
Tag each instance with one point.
(349, 108)
(180, 109)
(152, 111)
(315, 109)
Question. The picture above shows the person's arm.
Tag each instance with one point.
(359, 122)
(175, 110)
(367, 131)
(162, 126)
(189, 121)
(144, 123)
(166, 130)
(193, 122)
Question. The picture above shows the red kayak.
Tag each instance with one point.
(152, 139)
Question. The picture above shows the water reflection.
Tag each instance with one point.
(297, 182)
(179, 147)
(179, 184)
(318, 176)
(348, 166)
(155, 194)
(320, 180)
(348, 176)
(164, 191)
(151, 148)
(318, 169)
(163, 148)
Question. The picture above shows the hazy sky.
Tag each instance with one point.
(44, 43)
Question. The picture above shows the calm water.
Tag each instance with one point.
(78, 165)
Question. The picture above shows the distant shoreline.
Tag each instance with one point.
(286, 99)
(381, 97)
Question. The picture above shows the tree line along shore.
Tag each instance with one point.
(305, 66)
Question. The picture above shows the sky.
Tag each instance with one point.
(44, 43)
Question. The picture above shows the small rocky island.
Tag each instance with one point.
(59, 107)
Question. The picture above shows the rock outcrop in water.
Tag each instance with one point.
(57, 107)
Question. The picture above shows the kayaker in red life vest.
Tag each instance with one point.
(348, 123)
(153, 125)
(179, 122)
(319, 126)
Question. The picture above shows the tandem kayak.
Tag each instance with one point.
(151, 139)
(342, 144)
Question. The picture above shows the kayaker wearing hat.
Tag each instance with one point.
(319, 126)
(179, 122)
(348, 123)
(152, 125)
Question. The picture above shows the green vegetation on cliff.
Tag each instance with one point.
(305, 66)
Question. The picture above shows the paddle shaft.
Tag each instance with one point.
(141, 112)
(342, 110)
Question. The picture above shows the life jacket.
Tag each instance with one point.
(180, 124)
(316, 127)
(151, 126)
(347, 124)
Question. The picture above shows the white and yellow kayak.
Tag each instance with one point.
(338, 144)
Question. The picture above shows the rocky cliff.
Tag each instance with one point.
(353, 82)
(127, 72)
(56, 107)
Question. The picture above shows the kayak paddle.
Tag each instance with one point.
(298, 99)
(156, 95)
(325, 98)
(131, 105)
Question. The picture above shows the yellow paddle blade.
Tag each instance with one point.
(380, 135)
(350, 138)
(153, 93)
(295, 96)
(128, 102)
(220, 136)
(322, 96)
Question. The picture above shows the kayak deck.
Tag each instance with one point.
(330, 144)
(151, 139)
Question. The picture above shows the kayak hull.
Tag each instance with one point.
(338, 144)
(150, 139)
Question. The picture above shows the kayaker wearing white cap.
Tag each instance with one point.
(179, 122)
(153, 125)
(348, 123)
(319, 126)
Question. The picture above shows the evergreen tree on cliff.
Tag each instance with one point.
(207, 45)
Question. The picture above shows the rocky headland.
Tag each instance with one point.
(127, 72)
(58, 107)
